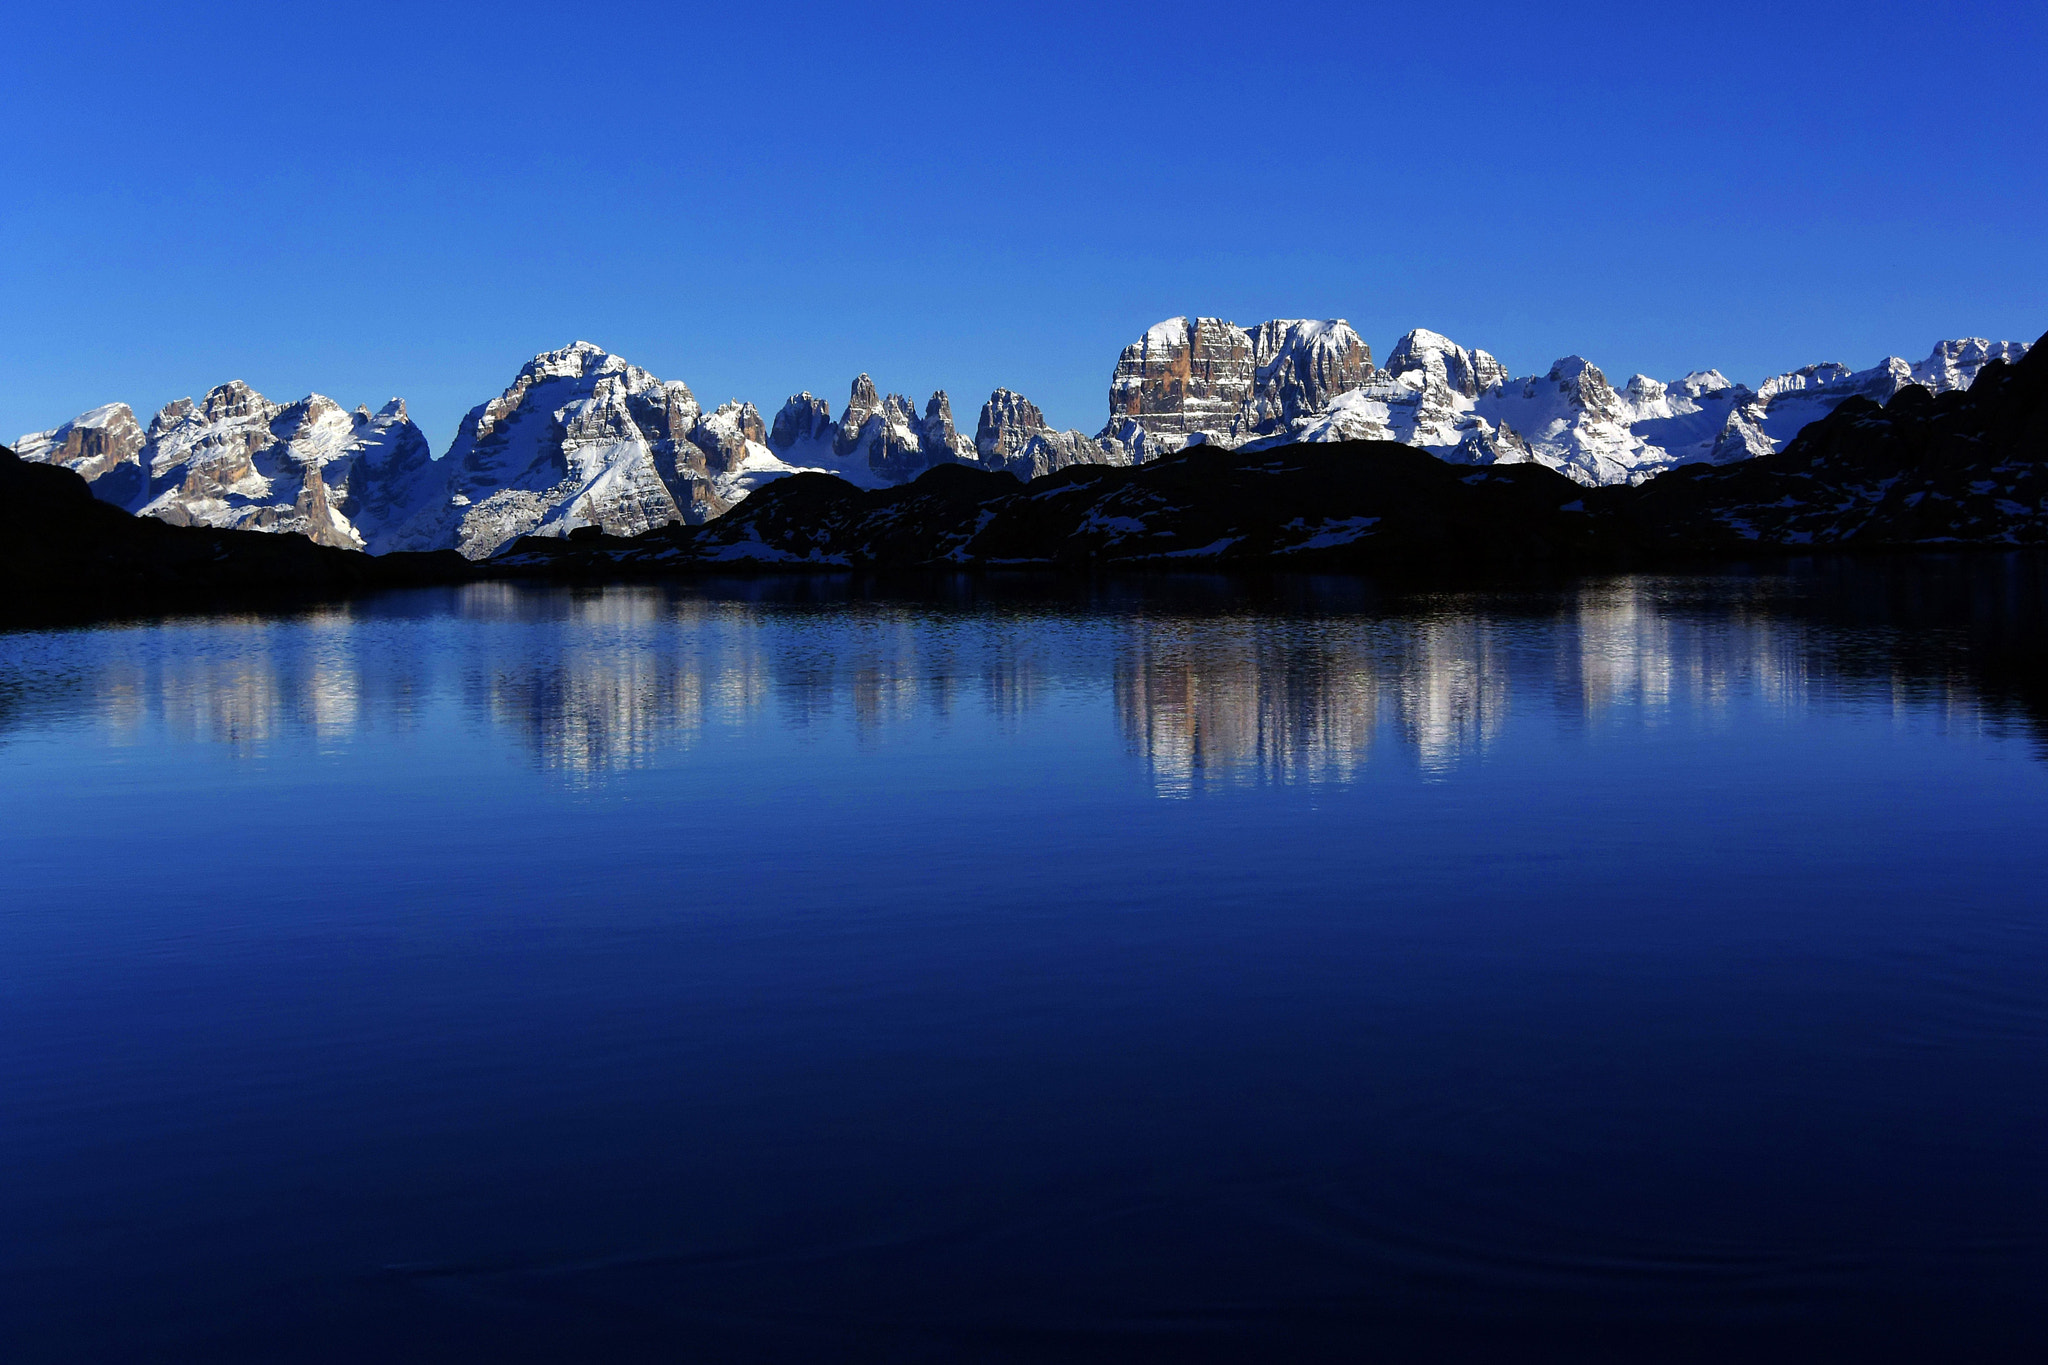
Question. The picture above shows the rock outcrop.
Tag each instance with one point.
(1190, 377)
(1185, 375)
(582, 438)
(803, 423)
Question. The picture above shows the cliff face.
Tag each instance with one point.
(1204, 375)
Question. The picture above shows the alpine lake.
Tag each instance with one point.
(999, 969)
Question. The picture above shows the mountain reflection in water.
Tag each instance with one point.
(1216, 682)
(992, 969)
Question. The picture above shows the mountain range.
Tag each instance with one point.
(1963, 467)
(583, 439)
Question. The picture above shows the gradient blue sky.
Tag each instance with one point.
(412, 199)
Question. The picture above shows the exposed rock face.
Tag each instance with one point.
(861, 404)
(581, 438)
(1013, 435)
(1008, 422)
(234, 459)
(733, 452)
(1574, 422)
(1184, 375)
(103, 447)
(1301, 367)
(1314, 381)
(803, 421)
(1424, 352)
(877, 441)
(1956, 364)
(942, 440)
(1189, 376)
(394, 483)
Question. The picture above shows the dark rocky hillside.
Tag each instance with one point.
(1368, 504)
(62, 549)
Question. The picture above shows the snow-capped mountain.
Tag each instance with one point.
(1203, 379)
(104, 447)
(876, 442)
(234, 459)
(582, 438)
(1204, 376)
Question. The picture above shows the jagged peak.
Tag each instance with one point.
(1419, 341)
(1698, 383)
(232, 399)
(577, 360)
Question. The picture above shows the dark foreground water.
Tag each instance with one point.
(1654, 969)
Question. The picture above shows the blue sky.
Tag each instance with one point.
(412, 200)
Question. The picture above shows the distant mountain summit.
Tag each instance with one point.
(582, 438)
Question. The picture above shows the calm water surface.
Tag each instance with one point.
(1651, 969)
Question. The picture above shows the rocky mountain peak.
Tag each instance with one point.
(1700, 383)
(577, 360)
(1422, 352)
(1955, 364)
(747, 418)
(1184, 375)
(802, 420)
(95, 445)
(1581, 381)
(938, 433)
(1805, 377)
(1008, 422)
(861, 403)
(234, 399)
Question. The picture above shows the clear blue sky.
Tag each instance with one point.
(413, 199)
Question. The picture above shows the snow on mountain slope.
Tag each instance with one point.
(580, 438)
(877, 441)
(104, 447)
(1172, 387)
(235, 459)
(583, 438)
